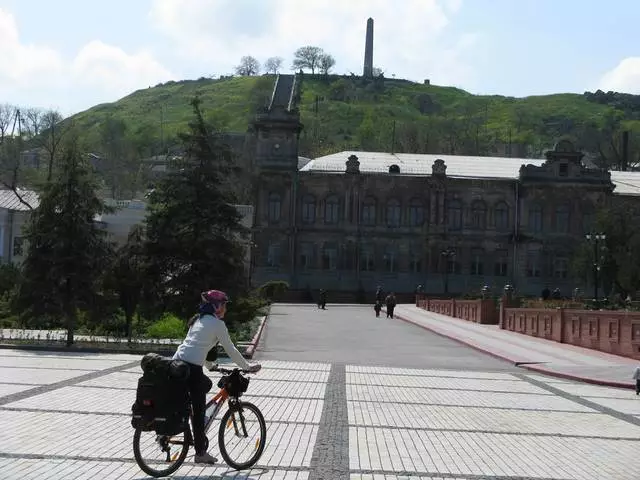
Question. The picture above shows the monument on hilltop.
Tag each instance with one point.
(368, 51)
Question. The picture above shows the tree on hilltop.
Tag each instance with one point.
(248, 66)
(67, 249)
(273, 65)
(326, 63)
(308, 57)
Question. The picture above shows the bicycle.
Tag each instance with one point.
(233, 417)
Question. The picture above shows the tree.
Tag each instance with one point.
(326, 63)
(118, 154)
(53, 132)
(248, 66)
(377, 72)
(127, 275)
(68, 250)
(273, 65)
(307, 57)
(193, 229)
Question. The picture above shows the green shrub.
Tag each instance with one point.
(273, 290)
(243, 311)
(169, 326)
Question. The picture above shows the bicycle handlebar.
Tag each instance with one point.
(218, 368)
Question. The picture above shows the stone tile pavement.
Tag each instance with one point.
(536, 354)
(67, 417)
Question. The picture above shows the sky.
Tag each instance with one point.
(72, 54)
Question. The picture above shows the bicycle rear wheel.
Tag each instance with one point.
(248, 435)
(160, 455)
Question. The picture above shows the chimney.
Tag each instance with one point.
(367, 71)
(353, 164)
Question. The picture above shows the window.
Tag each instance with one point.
(416, 213)
(501, 265)
(562, 219)
(329, 257)
(274, 207)
(369, 211)
(560, 267)
(306, 256)
(563, 169)
(451, 262)
(273, 255)
(390, 260)
(533, 264)
(454, 215)
(535, 218)
(18, 246)
(332, 209)
(479, 215)
(367, 259)
(308, 209)
(477, 266)
(393, 213)
(415, 263)
(502, 216)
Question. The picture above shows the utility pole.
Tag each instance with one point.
(393, 137)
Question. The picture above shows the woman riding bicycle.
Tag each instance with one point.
(206, 329)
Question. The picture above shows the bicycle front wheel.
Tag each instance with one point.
(242, 435)
(160, 455)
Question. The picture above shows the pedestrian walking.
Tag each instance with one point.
(636, 377)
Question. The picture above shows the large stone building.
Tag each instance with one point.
(350, 221)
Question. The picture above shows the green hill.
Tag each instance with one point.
(346, 112)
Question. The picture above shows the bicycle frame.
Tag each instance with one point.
(216, 402)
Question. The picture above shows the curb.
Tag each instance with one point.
(550, 373)
(59, 349)
(568, 376)
(253, 345)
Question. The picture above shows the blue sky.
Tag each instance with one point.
(72, 54)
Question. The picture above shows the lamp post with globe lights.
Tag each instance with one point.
(596, 239)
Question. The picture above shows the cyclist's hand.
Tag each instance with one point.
(211, 366)
(254, 368)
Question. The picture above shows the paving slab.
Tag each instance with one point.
(344, 421)
(536, 354)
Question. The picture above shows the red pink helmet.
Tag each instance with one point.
(214, 296)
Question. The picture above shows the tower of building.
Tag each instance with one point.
(368, 51)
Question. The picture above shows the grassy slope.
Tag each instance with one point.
(231, 102)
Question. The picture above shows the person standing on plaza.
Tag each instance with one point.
(391, 304)
(636, 377)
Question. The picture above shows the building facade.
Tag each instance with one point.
(351, 221)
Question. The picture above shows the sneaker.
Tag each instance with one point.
(205, 458)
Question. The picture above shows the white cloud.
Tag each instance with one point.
(37, 75)
(625, 77)
(410, 36)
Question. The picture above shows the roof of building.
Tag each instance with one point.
(458, 166)
(10, 201)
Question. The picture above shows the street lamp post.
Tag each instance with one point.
(595, 239)
(448, 253)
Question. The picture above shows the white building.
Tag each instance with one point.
(14, 214)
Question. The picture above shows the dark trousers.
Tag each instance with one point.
(198, 394)
(638, 386)
(390, 310)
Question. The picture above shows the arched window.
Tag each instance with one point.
(393, 213)
(332, 209)
(479, 215)
(501, 213)
(369, 211)
(535, 218)
(274, 207)
(562, 219)
(454, 214)
(308, 209)
(416, 213)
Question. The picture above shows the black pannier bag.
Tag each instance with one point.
(235, 383)
(162, 396)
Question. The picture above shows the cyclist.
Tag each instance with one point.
(206, 328)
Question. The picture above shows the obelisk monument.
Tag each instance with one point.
(368, 51)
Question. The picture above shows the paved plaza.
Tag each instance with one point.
(435, 410)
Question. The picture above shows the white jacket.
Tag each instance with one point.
(205, 332)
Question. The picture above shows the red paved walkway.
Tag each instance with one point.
(544, 356)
